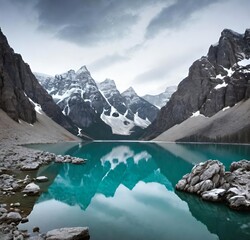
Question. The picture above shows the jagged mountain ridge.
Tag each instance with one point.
(20, 90)
(216, 81)
(161, 99)
(100, 110)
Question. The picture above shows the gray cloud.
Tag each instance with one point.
(175, 15)
(152, 75)
(107, 61)
(90, 21)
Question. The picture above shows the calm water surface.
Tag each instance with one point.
(126, 191)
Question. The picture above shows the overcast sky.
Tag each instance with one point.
(147, 44)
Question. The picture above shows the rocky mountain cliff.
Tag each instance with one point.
(161, 99)
(99, 109)
(20, 90)
(215, 82)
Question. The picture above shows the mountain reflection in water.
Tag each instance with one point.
(126, 191)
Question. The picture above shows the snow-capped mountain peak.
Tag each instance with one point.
(82, 69)
(107, 84)
(129, 92)
(100, 109)
(161, 99)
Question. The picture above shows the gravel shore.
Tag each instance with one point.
(16, 159)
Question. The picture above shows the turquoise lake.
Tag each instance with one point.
(126, 191)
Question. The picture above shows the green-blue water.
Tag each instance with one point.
(126, 191)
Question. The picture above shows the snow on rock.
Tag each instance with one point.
(244, 62)
(141, 122)
(38, 108)
(225, 108)
(219, 76)
(220, 85)
(196, 114)
(120, 125)
(79, 132)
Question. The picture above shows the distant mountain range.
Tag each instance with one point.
(99, 110)
(161, 99)
(212, 102)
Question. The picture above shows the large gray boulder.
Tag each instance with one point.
(74, 233)
(31, 189)
(30, 166)
(212, 183)
(204, 177)
(13, 217)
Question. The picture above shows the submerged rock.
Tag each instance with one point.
(212, 183)
(73, 233)
(78, 161)
(69, 159)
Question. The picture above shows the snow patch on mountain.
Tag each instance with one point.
(141, 122)
(37, 106)
(244, 62)
(196, 114)
(120, 125)
(220, 85)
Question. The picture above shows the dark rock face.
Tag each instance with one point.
(114, 97)
(139, 106)
(18, 85)
(216, 81)
(78, 97)
(212, 183)
(99, 110)
(12, 99)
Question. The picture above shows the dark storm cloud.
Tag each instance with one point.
(107, 61)
(175, 15)
(87, 22)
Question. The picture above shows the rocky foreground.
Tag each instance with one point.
(210, 181)
(16, 158)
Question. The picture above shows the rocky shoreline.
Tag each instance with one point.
(15, 158)
(211, 182)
